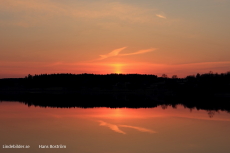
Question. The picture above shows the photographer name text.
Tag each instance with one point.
(52, 146)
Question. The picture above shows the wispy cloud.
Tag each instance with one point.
(113, 53)
(117, 51)
(116, 127)
(161, 16)
(38, 11)
(112, 127)
(139, 52)
(141, 129)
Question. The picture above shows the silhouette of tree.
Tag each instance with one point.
(164, 76)
(190, 77)
(197, 75)
(29, 76)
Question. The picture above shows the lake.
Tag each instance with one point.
(162, 129)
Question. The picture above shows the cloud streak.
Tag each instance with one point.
(117, 51)
(139, 52)
(38, 11)
(141, 129)
(161, 16)
(112, 127)
(116, 127)
(113, 53)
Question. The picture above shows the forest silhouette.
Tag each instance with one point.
(207, 91)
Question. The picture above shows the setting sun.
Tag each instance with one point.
(103, 37)
(118, 68)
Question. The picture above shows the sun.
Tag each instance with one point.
(118, 72)
(117, 68)
(114, 68)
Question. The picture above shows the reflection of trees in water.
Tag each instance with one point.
(83, 104)
(211, 113)
(164, 106)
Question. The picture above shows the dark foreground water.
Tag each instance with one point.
(107, 130)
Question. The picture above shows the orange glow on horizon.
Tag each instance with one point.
(22, 69)
(109, 113)
(118, 68)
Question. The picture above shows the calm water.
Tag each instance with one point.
(106, 130)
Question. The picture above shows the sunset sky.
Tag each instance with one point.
(181, 37)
